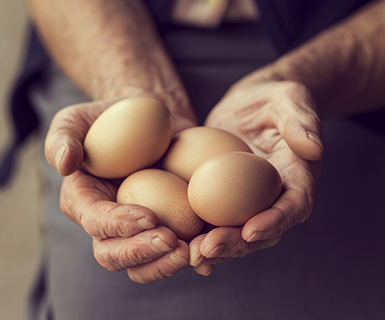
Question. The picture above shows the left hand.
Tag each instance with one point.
(278, 121)
(124, 236)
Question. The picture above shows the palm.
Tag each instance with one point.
(259, 114)
(273, 119)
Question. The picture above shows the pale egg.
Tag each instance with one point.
(193, 146)
(230, 188)
(166, 195)
(130, 135)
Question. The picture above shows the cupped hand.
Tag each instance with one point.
(279, 122)
(124, 236)
(64, 140)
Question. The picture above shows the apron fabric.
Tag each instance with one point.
(330, 267)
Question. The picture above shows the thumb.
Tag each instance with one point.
(303, 137)
(63, 145)
(64, 140)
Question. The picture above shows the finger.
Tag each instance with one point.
(196, 257)
(202, 265)
(163, 267)
(227, 242)
(64, 141)
(204, 269)
(303, 138)
(300, 126)
(117, 254)
(90, 202)
(294, 206)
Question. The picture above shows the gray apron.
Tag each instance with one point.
(330, 267)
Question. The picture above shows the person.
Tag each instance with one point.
(325, 64)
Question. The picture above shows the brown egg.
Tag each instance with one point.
(166, 195)
(130, 135)
(228, 189)
(193, 146)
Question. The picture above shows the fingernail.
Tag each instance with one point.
(59, 156)
(197, 260)
(176, 260)
(258, 235)
(144, 224)
(218, 251)
(206, 270)
(160, 246)
(312, 135)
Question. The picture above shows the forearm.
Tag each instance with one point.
(109, 48)
(343, 67)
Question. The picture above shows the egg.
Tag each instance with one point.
(193, 146)
(230, 188)
(130, 135)
(166, 195)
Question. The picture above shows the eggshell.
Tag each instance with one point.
(166, 195)
(230, 188)
(130, 135)
(193, 146)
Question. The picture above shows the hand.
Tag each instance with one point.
(278, 121)
(124, 236)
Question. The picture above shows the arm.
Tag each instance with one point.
(277, 111)
(344, 66)
(110, 49)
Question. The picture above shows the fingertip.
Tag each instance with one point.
(59, 156)
(306, 144)
(318, 148)
(69, 158)
(180, 255)
(204, 269)
(195, 254)
(168, 236)
(262, 226)
(254, 236)
(145, 224)
(218, 241)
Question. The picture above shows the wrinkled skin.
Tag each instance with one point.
(278, 121)
(274, 118)
(124, 236)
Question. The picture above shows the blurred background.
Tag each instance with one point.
(20, 234)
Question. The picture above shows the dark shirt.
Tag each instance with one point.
(287, 22)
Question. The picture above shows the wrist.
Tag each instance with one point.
(342, 66)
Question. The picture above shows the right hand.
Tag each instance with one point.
(124, 236)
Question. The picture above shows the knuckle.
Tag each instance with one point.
(67, 206)
(240, 250)
(103, 226)
(139, 277)
(107, 257)
(90, 225)
(116, 224)
(282, 222)
(244, 253)
(146, 275)
(264, 244)
(308, 208)
(137, 255)
(160, 274)
(104, 258)
(252, 247)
